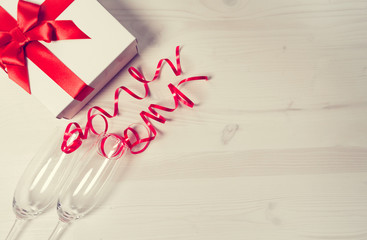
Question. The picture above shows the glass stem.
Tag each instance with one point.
(59, 230)
(15, 229)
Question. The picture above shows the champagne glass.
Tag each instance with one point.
(41, 182)
(88, 181)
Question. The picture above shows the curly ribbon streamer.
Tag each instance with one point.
(116, 151)
(130, 133)
(19, 39)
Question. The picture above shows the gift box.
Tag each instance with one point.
(87, 49)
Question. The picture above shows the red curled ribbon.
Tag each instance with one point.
(19, 39)
(116, 151)
(178, 96)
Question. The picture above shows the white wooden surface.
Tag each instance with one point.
(275, 149)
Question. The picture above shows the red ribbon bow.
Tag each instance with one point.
(19, 39)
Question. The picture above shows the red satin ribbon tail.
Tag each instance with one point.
(19, 74)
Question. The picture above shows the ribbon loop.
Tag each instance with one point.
(27, 15)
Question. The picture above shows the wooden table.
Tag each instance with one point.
(276, 147)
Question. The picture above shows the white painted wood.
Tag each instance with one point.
(275, 149)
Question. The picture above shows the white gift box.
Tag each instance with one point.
(96, 60)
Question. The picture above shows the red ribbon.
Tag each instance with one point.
(19, 39)
(130, 135)
(116, 151)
